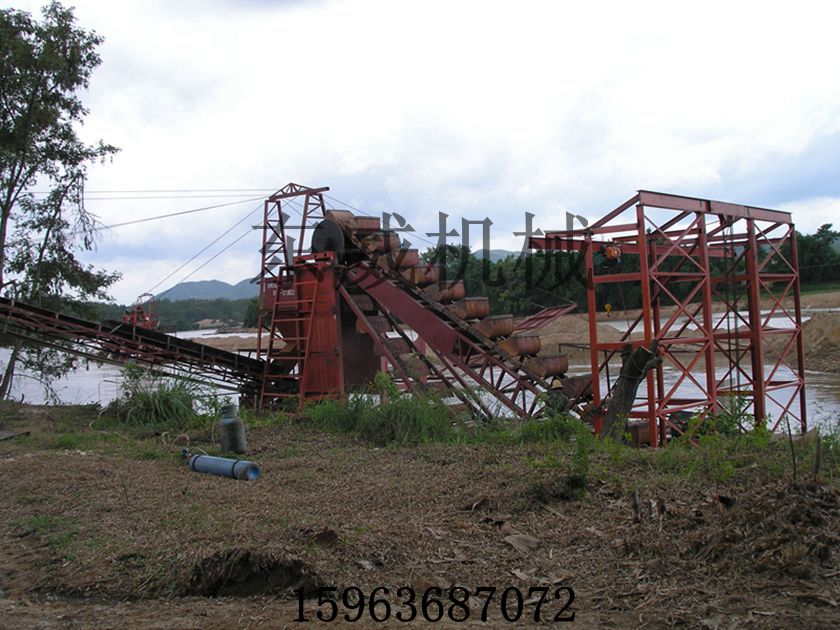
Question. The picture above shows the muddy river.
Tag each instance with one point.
(93, 383)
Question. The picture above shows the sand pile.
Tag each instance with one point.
(822, 329)
(231, 344)
(573, 329)
(821, 339)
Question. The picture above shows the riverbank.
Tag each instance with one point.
(104, 521)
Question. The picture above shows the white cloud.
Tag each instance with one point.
(810, 214)
(475, 108)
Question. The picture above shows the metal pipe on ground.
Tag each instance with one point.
(224, 467)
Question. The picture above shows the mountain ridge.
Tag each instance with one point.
(244, 289)
(210, 290)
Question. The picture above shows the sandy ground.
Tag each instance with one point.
(103, 530)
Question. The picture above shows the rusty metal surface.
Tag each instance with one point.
(120, 343)
(755, 259)
(674, 239)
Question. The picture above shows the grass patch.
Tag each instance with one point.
(383, 415)
(558, 428)
(31, 499)
(820, 287)
(69, 441)
(153, 452)
(80, 441)
(59, 532)
(151, 399)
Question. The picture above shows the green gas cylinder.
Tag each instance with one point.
(232, 431)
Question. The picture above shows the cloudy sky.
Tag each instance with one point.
(471, 108)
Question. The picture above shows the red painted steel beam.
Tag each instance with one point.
(695, 204)
(544, 317)
(800, 348)
(294, 190)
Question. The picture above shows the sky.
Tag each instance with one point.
(476, 109)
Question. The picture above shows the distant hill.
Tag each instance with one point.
(214, 289)
(211, 290)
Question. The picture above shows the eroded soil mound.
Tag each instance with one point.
(243, 572)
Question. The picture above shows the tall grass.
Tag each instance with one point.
(153, 399)
(383, 415)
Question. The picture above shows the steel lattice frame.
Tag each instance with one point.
(468, 360)
(119, 343)
(284, 241)
(691, 253)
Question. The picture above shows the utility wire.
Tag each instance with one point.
(213, 196)
(214, 256)
(206, 247)
(175, 214)
(296, 205)
(168, 190)
(288, 202)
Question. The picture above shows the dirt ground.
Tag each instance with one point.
(102, 529)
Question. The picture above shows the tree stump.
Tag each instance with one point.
(634, 367)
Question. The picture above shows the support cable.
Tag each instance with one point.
(174, 214)
(206, 247)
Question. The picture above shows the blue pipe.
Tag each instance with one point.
(224, 467)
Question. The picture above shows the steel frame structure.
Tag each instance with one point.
(120, 343)
(290, 328)
(467, 359)
(689, 256)
(544, 317)
(292, 295)
(686, 255)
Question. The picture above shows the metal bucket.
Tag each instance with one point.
(548, 365)
(432, 273)
(381, 241)
(476, 307)
(521, 344)
(496, 326)
(366, 225)
(404, 258)
(344, 218)
(452, 292)
(418, 275)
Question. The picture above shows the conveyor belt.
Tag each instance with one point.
(118, 342)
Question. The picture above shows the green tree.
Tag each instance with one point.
(819, 260)
(252, 313)
(43, 68)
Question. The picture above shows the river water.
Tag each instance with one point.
(95, 383)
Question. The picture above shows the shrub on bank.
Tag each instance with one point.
(150, 398)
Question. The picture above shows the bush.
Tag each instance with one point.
(571, 485)
(830, 446)
(153, 399)
(383, 415)
(561, 427)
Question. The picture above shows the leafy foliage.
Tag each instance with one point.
(525, 284)
(182, 314)
(43, 67)
(819, 255)
(250, 319)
